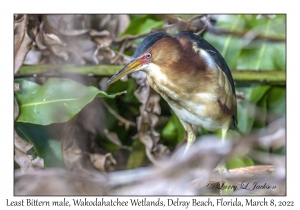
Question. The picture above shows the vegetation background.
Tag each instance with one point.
(74, 135)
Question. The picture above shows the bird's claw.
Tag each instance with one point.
(221, 168)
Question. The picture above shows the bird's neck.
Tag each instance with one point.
(162, 83)
(175, 84)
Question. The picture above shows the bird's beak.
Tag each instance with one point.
(134, 65)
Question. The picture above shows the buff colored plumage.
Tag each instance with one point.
(191, 76)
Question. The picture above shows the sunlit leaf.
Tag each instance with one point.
(150, 24)
(141, 24)
(237, 162)
(136, 24)
(58, 100)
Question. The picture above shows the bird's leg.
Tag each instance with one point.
(191, 136)
(190, 140)
(221, 167)
(224, 134)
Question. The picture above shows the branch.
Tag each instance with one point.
(277, 77)
(54, 70)
(243, 33)
(259, 76)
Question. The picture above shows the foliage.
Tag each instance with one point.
(57, 101)
(75, 121)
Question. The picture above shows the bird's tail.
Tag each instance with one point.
(236, 128)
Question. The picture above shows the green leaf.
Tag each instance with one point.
(141, 24)
(45, 140)
(277, 101)
(174, 130)
(248, 161)
(257, 92)
(245, 52)
(237, 162)
(150, 24)
(247, 108)
(137, 156)
(261, 117)
(259, 54)
(274, 57)
(57, 101)
(136, 24)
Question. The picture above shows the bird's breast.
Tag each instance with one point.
(199, 118)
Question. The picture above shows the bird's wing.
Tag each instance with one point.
(218, 58)
(227, 101)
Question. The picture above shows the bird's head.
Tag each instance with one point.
(156, 50)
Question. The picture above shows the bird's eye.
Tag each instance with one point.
(148, 55)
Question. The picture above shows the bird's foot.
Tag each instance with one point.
(190, 140)
(221, 168)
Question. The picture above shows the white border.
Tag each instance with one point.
(150, 6)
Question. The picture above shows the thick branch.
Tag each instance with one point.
(239, 76)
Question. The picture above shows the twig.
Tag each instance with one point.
(120, 51)
(243, 33)
(133, 37)
(120, 118)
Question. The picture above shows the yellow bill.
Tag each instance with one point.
(129, 68)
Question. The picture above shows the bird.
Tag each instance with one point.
(191, 76)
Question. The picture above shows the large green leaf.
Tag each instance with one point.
(57, 101)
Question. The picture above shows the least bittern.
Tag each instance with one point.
(192, 76)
